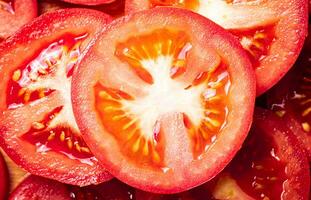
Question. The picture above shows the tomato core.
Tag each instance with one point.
(159, 59)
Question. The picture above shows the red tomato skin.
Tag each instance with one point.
(272, 68)
(24, 12)
(53, 166)
(90, 2)
(81, 105)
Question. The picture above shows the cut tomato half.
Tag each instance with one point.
(271, 31)
(173, 92)
(34, 187)
(90, 2)
(4, 181)
(38, 129)
(115, 9)
(290, 99)
(14, 14)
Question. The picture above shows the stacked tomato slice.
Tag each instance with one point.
(168, 96)
(272, 32)
(38, 129)
(160, 95)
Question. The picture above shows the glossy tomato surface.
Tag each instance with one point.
(90, 2)
(169, 103)
(38, 129)
(14, 14)
(271, 31)
(270, 165)
(38, 188)
(115, 8)
(290, 98)
(4, 180)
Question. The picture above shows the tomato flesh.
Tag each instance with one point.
(262, 27)
(290, 99)
(161, 93)
(258, 169)
(37, 110)
(270, 165)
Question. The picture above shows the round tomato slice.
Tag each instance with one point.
(115, 9)
(4, 181)
(34, 187)
(290, 99)
(14, 14)
(172, 93)
(270, 165)
(271, 31)
(38, 129)
(90, 2)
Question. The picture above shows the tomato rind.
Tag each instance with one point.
(233, 135)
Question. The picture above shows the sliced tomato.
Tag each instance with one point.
(271, 31)
(4, 181)
(89, 2)
(290, 99)
(38, 129)
(115, 9)
(173, 92)
(270, 165)
(34, 187)
(14, 14)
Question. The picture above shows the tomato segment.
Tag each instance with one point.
(263, 28)
(257, 42)
(39, 129)
(4, 181)
(161, 91)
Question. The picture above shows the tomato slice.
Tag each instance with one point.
(290, 99)
(115, 8)
(34, 187)
(159, 91)
(270, 165)
(14, 14)
(271, 31)
(38, 129)
(89, 2)
(4, 181)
